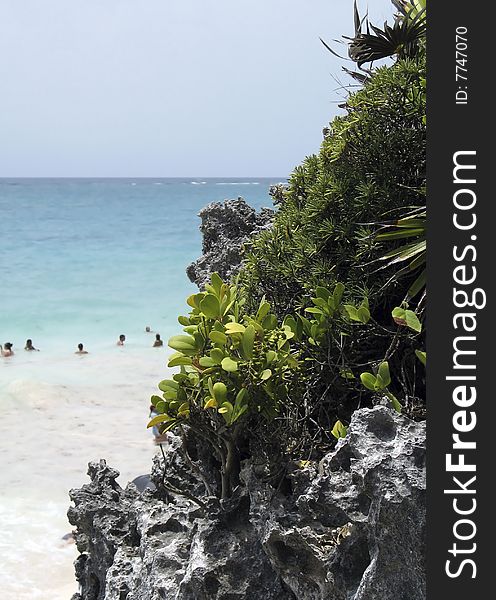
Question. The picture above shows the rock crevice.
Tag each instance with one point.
(352, 528)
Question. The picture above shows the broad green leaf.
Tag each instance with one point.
(159, 419)
(156, 399)
(168, 384)
(338, 294)
(383, 373)
(369, 381)
(220, 392)
(263, 311)
(339, 430)
(161, 407)
(270, 356)
(363, 314)
(240, 396)
(217, 337)
(347, 374)
(395, 402)
(210, 306)
(183, 320)
(177, 361)
(183, 343)
(195, 299)
(229, 365)
(413, 321)
(247, 342)
(216, 282)
(266, 374)
(216, 355)
(234, 328)
(270, 322)
(206, 361)
(314, 310)
(352, 312)
(323, 293)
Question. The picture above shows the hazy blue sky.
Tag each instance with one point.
(167, 87)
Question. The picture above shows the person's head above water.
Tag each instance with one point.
(148, 329)
(8, 345)
(80, 347)
(29, 345)
(122, 337)
(157, 336)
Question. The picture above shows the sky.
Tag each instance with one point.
(168, 88)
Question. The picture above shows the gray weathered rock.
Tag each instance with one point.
(349, 528)
(225, 226)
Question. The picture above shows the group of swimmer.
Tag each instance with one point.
(6, 349)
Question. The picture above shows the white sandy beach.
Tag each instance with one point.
(56, 417)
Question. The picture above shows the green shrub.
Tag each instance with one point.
(234, 369)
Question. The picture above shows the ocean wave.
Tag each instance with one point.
(238, 183)
(197, 182)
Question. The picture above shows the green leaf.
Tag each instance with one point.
(266, 374)
(270, 356)
(394, 402)
(234, 328)
(314, 310)
(155, 400)
(339, 430)
(346, 374)
(218, 337)
(220, 392)
(210, 306)
(338, 294)
(363, 314)
(216, 282)
(384, 374)
(323, 293)
(352, 312)
(216, 355)
(422, 356)
(183, 320)
(413, 321)
(206, 361)
(369, 381)
(183, 343)
(240, 396)
(270, 322)
(179, 360)
(195, 299)
(159, 419)
(263, 311)
(247, 342)
(168, 384)
(229, 365)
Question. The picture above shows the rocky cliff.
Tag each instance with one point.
(348, 528)
(225, 227)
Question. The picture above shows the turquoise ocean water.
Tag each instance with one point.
(84, 260)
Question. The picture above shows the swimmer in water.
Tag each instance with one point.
(29, 346)
(121, 340)
(148, 329)
(6, 349)
(81, 350)
(158, 342)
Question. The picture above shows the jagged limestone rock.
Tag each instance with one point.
(225, 227)
(349, 528)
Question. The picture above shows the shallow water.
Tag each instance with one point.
(84, 261)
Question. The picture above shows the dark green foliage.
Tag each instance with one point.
(370, 166)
